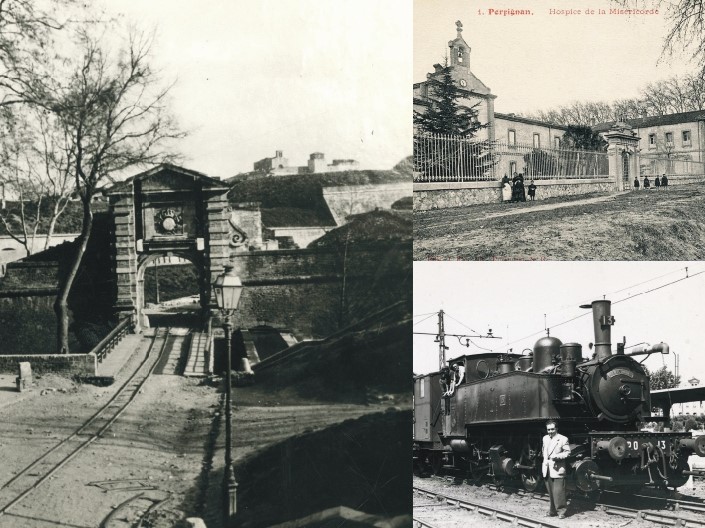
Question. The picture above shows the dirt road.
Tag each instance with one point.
(644, 225)
(167, 446)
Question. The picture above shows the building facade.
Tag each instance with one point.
(693, 408)
(317, 163)
(508, 129)
(672, 144)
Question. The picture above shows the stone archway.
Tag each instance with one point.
(167, 210)
(193, 257)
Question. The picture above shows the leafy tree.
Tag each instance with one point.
(662, 378)
(691, 423)
(113, 114)
(581, 137)
(454, 157)
(444, 113)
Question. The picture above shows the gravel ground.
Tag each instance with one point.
(645, 225)
(168, 444)
(579, 514)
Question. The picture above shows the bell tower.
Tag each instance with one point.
(459, 49)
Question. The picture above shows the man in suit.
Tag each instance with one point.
(555, 450)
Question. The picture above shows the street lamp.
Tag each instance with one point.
(228, 289)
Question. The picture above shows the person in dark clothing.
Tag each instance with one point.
(647, 185)
(664, 181)
(518, 186)
(657, 183)
(636, 184)
(532, 191)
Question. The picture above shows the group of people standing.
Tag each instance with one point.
(658, 182)
(514, 190)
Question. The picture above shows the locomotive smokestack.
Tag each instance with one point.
(602, 320)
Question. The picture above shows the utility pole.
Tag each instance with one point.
(441, 341)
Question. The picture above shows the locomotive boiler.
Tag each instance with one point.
(493, 420)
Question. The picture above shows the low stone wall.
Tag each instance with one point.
(429, 196)
(70, 364)
(682, 180)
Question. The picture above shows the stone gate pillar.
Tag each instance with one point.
(125, 265)
(167, 210)
(622, 144)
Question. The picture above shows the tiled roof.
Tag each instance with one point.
(643, 122)
(520, 119)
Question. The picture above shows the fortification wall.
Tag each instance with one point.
(312, 291)
(316, 291)
(355, 199)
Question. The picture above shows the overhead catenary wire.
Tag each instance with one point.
(627, 288)
(460, 323)
(425, 318)
(629, 297)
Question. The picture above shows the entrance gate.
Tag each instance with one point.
(167, 211)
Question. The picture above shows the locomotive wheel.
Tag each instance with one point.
(477, 472)
(531, 480)
(436, 461)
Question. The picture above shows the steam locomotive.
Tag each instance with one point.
(494, 421)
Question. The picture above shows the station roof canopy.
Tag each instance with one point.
(671, 396)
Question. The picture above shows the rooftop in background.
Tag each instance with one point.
(643, 122)
(528, 120)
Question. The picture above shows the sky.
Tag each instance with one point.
(542, 61)
(300, 76)
(511, 298)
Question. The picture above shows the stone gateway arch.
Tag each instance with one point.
(167, 211)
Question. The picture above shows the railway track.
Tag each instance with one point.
(614, 503)
(26, 481)
(486, 510)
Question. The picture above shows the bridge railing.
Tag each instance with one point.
(109, 342)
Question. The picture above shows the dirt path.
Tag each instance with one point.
(631, 225)
(167, 446)
(556, 205)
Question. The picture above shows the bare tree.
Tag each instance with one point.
(37, 167)
(633, 108)
(27, 32)
(686, 31)
(669, 96)
(113, 111)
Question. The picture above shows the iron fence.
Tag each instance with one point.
(446, 158)
(674, 167)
